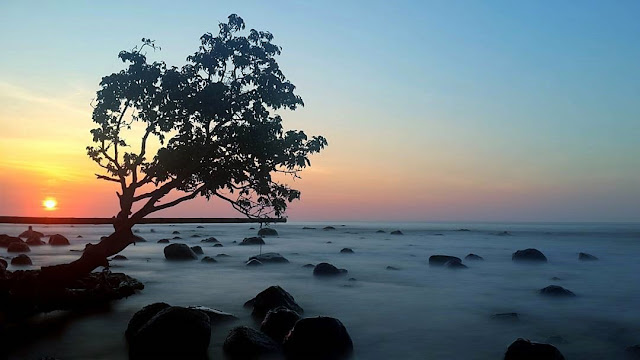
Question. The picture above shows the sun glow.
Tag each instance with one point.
(49, 204)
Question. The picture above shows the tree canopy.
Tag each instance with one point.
(215, 118)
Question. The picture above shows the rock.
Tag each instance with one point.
(152, 230)
(506, 316)
(58, 240)
(199, 227)
(244, 343)
(176, 238)
(210, 240)
(163, 241)
(392, 268)
(473, 257)
(308, 228)
(271, 298)
(267, 232)
(119, 257)
(318, 338)
(223, 255)
(137, 239)
(142, 317)
(79, 236)
(136, 231)
(329, 242)
(195, 236)
(269, 257)
(174, 332)
(217, 245)
(3, 263)
(208, 259)
(328, 228)
(176, 232)
(215, 315)
(523, 349)
(464, 230)
(18, 247)
(586, 257)
(352, 279)
(326, 269)
(278, 322)
(253, 262)
(31, 233)
(308, 266)
(380, 232)
(252, 228)
(21, 259)
(179, 252)
(255, 240)
(455, 264)
(6, 240)
(396, 232)
(346, 251)
(440, 260)
(531, 255)
(555, 290)
(35, 241)
(197, 250)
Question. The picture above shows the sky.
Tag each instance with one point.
(434, 110)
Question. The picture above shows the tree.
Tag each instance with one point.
(216, 121)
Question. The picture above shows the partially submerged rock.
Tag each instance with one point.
(473, 257)
(455, 264)
(346, 251)
(555, 290)
(253, 262)
(208, 259)
(271, 298)
(19, 247)
(586, 257)
(244, 343)
(21, 259)
(58, 240)
(35, 241)
(308, 266)
(392, 268)
(267, 232)
(119, 257)
(270, 257)
(179, 252)
(214, 315)
(254, 240)
(396, 232)
(440, 260)
(210, 240)
(328, 228)
(278, 322)
(31, 233)
(326, 269)
(6, 240)
(523, 349)
(529, 255)
(163, 241)
(197, 249)
(318, 338)
(506, 316)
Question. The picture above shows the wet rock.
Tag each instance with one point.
(197, 250)
(254, 240)
(308, 228)
(119, 257)
(346, 251)
(269, 257)
(392, 268)
(142, 317)
(6, 240)
(318, 338)
(175, 232)
(19, 247)
(506, 316)
(58, 240)
(278, 322)
(555, 290)
(179, 252)
(396, 232)
(271, 298)
(21, 259)
(195, 236)
(210, 240)
(473, 257)
(163, 241)
(174, 332)
(454, 264)
(326, 269)
(208, 259)
(253, 262)
(223, 255)
(328, 228)
(308, 266)
(215, 315)
(244, 343)
(79, 236)
(217, 245)
(380, 232)
(586, 257)
(267, 232)
(31, 233)
(199, 227)
(529, 255)
(440, 260)
(176, 238)
(35, 241)
(523, 349)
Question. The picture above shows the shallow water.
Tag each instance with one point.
(416, 312)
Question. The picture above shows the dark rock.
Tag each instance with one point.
(523, 349)
(136, 231)
(58, 239)
(586, 257)
(396, 232)
(346, 251)
(464, 230)
(6, 240)
(18, 247)
(31, 233)
(179, 252)
(352, 279)
(555, 290)
(278, 322)
(174, 332)
(329, 242)
(197, 250)
(252, 228)
(3, 263)
(223, 255)
(269, 257)
(392, 268)
(253, 262)
(308, 266)
(142, 317)
(255, 240)
(210, 240)
(506, 316)
(455, 264)
(244, 343)
(532, 255)
(208, 259)
(35, 241)
(473, 257)
(440, 260)
(163, 241)
(318, 338)
(214, 315)
(199, 227)
(119, 257)
(271, 298)
(380, 231)
(326, 269)
(217, 245)
(176, 232)
(308, 228)
(21, 259)
(176, 238)
(195, 236)
(267, 232)
(328, 228)
(152, 230)
(137, 239)
(79, 236)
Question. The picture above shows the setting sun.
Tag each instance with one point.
(49, 204)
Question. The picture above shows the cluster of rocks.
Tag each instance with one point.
(15, 244)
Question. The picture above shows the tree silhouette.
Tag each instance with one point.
(215, 121)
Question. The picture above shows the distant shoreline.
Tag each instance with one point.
(109, 221)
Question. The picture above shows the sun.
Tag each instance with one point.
(49, 203)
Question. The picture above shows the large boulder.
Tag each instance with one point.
(31, 233)
(6, 240)
(179, 252)
(35, 241)
(244, 343)
(58, 239)
(173, 332)
(21, 259)
(586, 257)
(523, 349)
(555, 290)
(140, 318)
(318, 338)
(440, 260)
(326, 269)
(269, 257)
(271, 298)
(19, 247)
(278, 322)
(529, 255)
(254, 240)
(267, 232)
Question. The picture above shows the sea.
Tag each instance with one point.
(413, 312)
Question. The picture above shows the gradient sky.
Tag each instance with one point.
(434, 110)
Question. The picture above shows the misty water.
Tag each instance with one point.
(415, 312)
